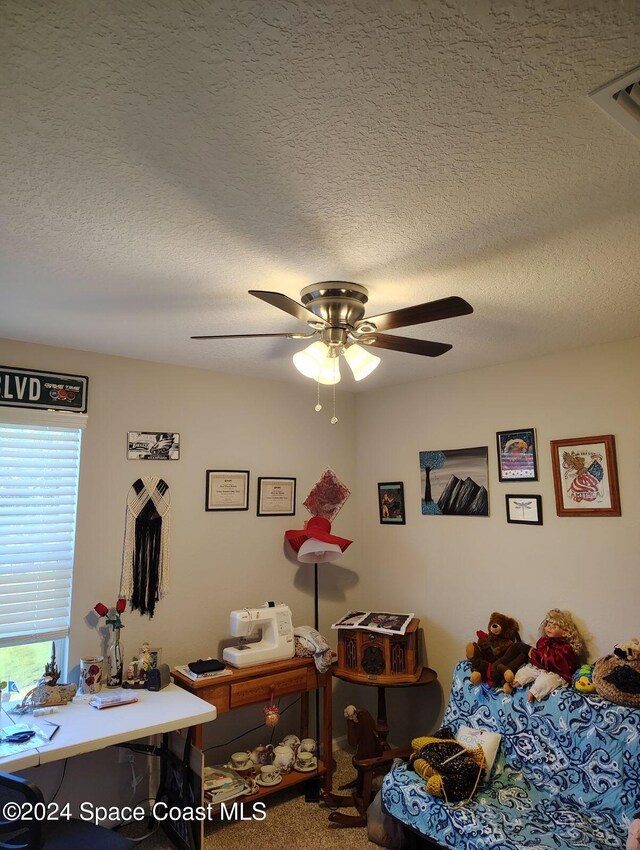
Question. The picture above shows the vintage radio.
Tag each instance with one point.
(370, 656)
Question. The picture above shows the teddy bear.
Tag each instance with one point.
(490, 646)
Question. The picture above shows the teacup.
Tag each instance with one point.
(241, 761)
(307, 745)
(269, 774)
(305, 761)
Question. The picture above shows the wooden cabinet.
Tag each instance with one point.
(250, 685)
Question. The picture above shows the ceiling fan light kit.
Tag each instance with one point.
(334, 312)
(361, 362)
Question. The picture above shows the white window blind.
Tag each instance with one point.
(39, 469)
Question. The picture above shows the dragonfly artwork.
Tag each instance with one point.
(524, 509)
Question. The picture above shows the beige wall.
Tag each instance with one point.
(219, 561)
(454, 571)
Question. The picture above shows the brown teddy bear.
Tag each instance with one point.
(488, 649)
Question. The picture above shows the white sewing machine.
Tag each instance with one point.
(276, 635)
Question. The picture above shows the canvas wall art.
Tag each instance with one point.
(455, 481)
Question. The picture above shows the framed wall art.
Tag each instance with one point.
(524, 509)
(391, 503)
(585, 476)
(153, 445)
(276, 497)
(455, 481)
(227, 490)
(517, 459)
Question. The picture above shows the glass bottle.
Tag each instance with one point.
(114, 661)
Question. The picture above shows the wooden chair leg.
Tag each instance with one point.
(348, 820)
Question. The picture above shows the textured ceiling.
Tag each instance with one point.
(160, 158)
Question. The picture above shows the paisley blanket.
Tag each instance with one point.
(567, 775)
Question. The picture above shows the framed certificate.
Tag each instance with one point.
(276, 496)
(227, 490)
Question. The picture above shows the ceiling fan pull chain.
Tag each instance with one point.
(318, 405)
(334, 418)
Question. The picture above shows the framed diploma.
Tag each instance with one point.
(276, 496)
(227, 490)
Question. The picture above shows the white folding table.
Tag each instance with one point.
(85, 729)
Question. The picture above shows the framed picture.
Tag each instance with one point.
(524, 509)
(455, 481)
(585, 476)
(391, 503)
(517, 455)
(227, 490)
(153, 445)
(276, 497)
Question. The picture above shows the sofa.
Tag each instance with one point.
(566, 776)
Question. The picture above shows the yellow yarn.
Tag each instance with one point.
(435, 785)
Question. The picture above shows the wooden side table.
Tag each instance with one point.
(426, 678)
(249, 685)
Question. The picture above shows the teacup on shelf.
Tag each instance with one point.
(305, 761)
(269, 774)
(307, 745)
(241, 762)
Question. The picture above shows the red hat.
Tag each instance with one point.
(318, 528)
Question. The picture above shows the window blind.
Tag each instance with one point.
(39, 468)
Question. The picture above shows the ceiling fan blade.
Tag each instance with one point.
(247, 336)
(432, 311)
(410, 346)
(283, 302)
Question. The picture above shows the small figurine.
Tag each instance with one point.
(553, 660)
(145, 661)
(51, 671)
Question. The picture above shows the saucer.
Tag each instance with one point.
(264, 784)
(299, 769)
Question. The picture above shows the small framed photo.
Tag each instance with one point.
(276, 497)
(517, 459)
(585, 476)
(227, 490)
(524, 509)
(391, 503)
(153, 445)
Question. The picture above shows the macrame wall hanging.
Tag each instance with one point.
(145, 558)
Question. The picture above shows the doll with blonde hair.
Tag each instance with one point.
(554, 658)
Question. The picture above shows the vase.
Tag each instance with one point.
(114, 661)
(90, 675)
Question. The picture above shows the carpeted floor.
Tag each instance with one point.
(290, 823)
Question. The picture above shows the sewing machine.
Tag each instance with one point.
(276, 635)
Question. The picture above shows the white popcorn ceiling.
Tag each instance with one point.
(160, 158)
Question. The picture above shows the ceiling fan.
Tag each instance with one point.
(334, 311)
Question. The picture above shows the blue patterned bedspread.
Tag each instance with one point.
(567, 775)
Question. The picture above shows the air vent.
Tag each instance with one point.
(621, 100)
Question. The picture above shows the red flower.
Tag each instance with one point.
(121, 604)
(100, 609)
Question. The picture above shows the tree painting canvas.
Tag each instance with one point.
(455, 481)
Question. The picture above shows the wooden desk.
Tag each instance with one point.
(250, 685)
(382, 726)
